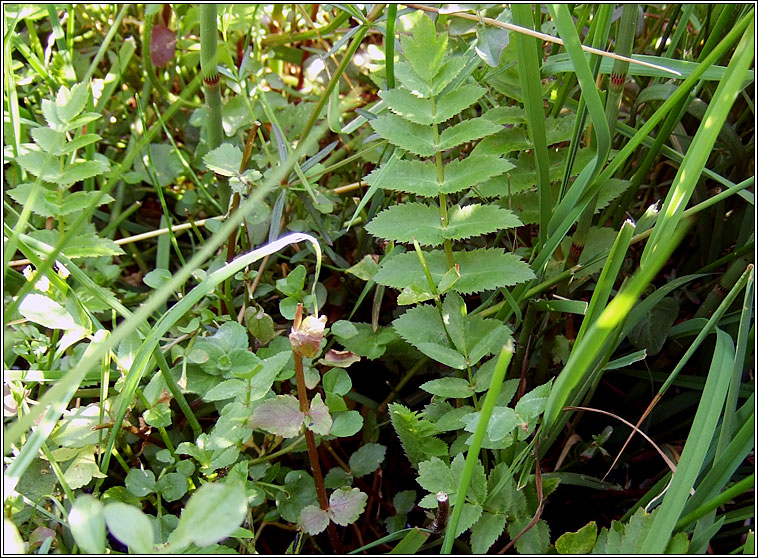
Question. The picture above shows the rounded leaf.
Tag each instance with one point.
(87, 524)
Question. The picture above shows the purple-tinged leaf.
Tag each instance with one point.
(320, 422)
(346, 504)
(313, 519)
(280, 415)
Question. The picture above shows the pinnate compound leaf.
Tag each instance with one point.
(367, 459)
(468, 130)
(411, 107)
(434, 476)
(410, 80)
(225, 160)
(480, 270)
(477, 490)
(81, 170)
(130, 526)
(313, 519)
(473, 170)
(486, 531)
(470, 515)
(403, 223)
(213, 513)
(448, 387)
(450, 69)
(416, 434)
(474, 220)
(412, 177)
(87, 524)
(578, 542)
(425, 49)
(444, 354)
(279, 415)
(457, 100)
(421, 324)
(406, 135)
(346, 505)
(535, 541)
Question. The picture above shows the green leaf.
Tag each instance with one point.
(501, 489)
(477, 490)
(578, 542)
(425, 50)
(293, 284)
(651, 332)
(409, 106)
(412, 177)
(69, 104)
(158, 416)
(416, 435)
(346, 423)
(40, 164)
(454, 317)
(422, 327)
(140, 482)
(172, 486)
(87, 524)
(212, 513)
(469, 516)
(43, 310)
(455, 101)
(535, 541)
(300, 492)
(225, 160)
(409, 221)
(49, 140)
(486, 531)
(86, 244)
(532, 404)
(361, 339)
(226, 390)
(156, 278)
(490, 41)
(406, 135)
(130, 526)
(346, 505)
(475, 220)
(365, 268)
(280, 415)
(367, 459)
(81, 170)
(434, 476)
(410, 80)
(313, 519)
(337, 381)
(47, 203)
(480, 270)
(78, 142)
(473, 170)
(450, 69)
(448, 387)
(466, 131)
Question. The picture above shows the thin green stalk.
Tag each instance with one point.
(389, 46)
(725, 497)
(106, 43)
(472, 456)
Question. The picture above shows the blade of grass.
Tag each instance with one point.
(472, 455)
(693, 454)
(607, 278)
(528, 56)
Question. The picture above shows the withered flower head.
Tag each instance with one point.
(306, 339)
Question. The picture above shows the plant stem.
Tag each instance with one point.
(209, 70)
(302, 397)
